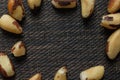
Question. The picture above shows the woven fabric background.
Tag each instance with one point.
(56, 38)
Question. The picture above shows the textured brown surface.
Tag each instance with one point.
(55, 38)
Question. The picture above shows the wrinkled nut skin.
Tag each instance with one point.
(113, 6)
(34, 3)
(6, 66)
(16, 9)
(18, 49)
(93, 73)
(61, 74)
(87, 7)
(113, 45)
(36, 77)
(64, 3)
(111, 21)
(9, 24)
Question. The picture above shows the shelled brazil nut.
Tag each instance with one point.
(113, 45)
(61, 74)
(87, 7)
(93, 73)
(113, 6)
(18, 49)
(36, 77)
(9, 24)
(111, 21)
(33, 4)
(6, 66)
(64, 3)
(16, 9)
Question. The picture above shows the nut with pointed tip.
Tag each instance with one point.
(34, 3)
(16, 9)
(61, 74)
(10, 24)
(113, 6)
(93, 73)
(6, 66)
(36, 77)
(87, 7)
(18, 49)
(64, 3)
(111, 21)
(113, 45)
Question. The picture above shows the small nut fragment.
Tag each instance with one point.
(34, 3)
(64, 3)
(6, 66)
(61, 74)
(111, 21)
(113, 6)
(16, 9)
(36, 77)
(9, 24)
(87, 7)
(93, 73)
(113, 45)
(18, 49)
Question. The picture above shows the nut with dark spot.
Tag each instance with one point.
(6, 66)
(113, 45)
(87, 7)
(16, 9)
(111, 21)
(36, 77)
(64, 3)
(18, 49)
(10, 24)
(61, 74)
(93, 73)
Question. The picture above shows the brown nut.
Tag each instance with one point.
(113, 45)
(36, 77)
(34, 3)
(6, 66)
(61, 74)
(64, 3)
(87, 7)
(113, 6)
(16, 9)
(18, 49)
(93, 73)
(9, 24)
(111, 21)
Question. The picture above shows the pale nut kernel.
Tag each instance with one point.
(33, 4)
(10, 24)
(36, 77)
(93, 73)
(16, 9)
(18, 49)
(113, 45)
(6, 66)
(64, 3)
(61, 74)
(113, 6)
(111, 21)
(87, 7)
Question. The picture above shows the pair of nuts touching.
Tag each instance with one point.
(113, 6)
(93, 73)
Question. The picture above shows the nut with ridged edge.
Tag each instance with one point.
(64, 3)
(18, 49)
(113, 45)
(10, 24)
(16, 9)
(36, 77)
(93, 73)
(6, 66)
(61, 74)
